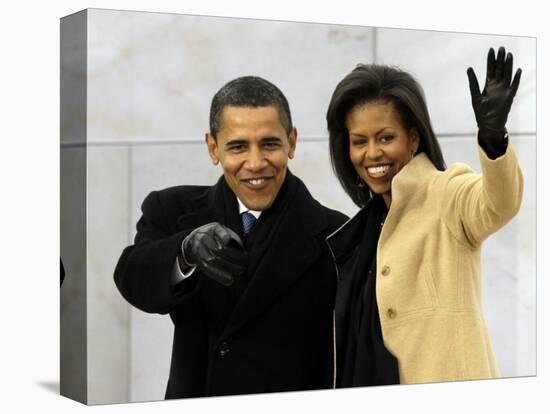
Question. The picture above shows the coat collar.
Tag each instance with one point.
(292, 248)
(349, 235)
(205, 207)
(411, 182)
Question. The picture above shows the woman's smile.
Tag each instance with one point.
(378, 171)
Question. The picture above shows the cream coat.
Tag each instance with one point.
(428, 282)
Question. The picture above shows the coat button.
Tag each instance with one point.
(223, 350)
(391, 313)
(386, 270)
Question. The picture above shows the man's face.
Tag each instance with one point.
(253, 148)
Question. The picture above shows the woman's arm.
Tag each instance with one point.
(477, 206)
(492, 106)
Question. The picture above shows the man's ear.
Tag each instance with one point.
(212, 147)
(292, 137)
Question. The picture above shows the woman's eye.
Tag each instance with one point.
(386, 138)
(358, 141)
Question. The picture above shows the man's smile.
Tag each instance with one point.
(256, 184)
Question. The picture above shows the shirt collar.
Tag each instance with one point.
(244, 209)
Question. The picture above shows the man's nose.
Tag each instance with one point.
(255, 160)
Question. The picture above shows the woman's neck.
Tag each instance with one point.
(387, 199)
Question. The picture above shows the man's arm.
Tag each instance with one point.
(151, 274)
(144, 271)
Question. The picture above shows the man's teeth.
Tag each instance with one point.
(378, 170)
(257, 181)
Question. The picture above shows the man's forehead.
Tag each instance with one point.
(232, 110)
(235, 119)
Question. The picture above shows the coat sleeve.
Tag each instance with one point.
(476, 206)
(144, 270)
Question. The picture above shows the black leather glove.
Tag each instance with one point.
(217, 251)
(492, 106)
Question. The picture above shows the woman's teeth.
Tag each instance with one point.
(378, 171)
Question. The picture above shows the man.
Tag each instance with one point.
(242, 266)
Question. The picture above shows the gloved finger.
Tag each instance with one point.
(225, 236)
(490, 65)
(207, 242)
(233, 268)
(218, 274)
(233, 254)
(508, 65)
(474, 85)
(209, 227)
(515, 82)
(205, 234)
(198, 244)
(499, 67)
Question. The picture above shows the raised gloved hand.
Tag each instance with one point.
(217, 251)
(492, 106)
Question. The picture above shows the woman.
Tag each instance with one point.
(409, 303)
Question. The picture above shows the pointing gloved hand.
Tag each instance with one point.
(217, 251)
(492, 106)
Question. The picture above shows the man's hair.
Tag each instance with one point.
(380, 84)
(249, 91)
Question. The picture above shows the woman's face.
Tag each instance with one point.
(379, 146)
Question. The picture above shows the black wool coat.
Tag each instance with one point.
(272, 329)
(361, 356)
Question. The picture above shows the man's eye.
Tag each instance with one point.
(236, 148)
(271, 145)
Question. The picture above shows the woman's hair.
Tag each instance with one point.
(383, 84)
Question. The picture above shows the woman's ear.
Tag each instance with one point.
(414, 136)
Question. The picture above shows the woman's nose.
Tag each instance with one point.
(373, 151)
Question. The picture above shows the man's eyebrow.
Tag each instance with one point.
(272, 139)
(236, 142)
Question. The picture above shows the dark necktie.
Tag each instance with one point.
(248, 221)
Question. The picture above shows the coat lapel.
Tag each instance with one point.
(408, 187)
(292, 249)
(207, 208)
(346, 238)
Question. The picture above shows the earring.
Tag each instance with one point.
(359, 182)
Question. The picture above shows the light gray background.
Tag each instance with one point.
(150, 79)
